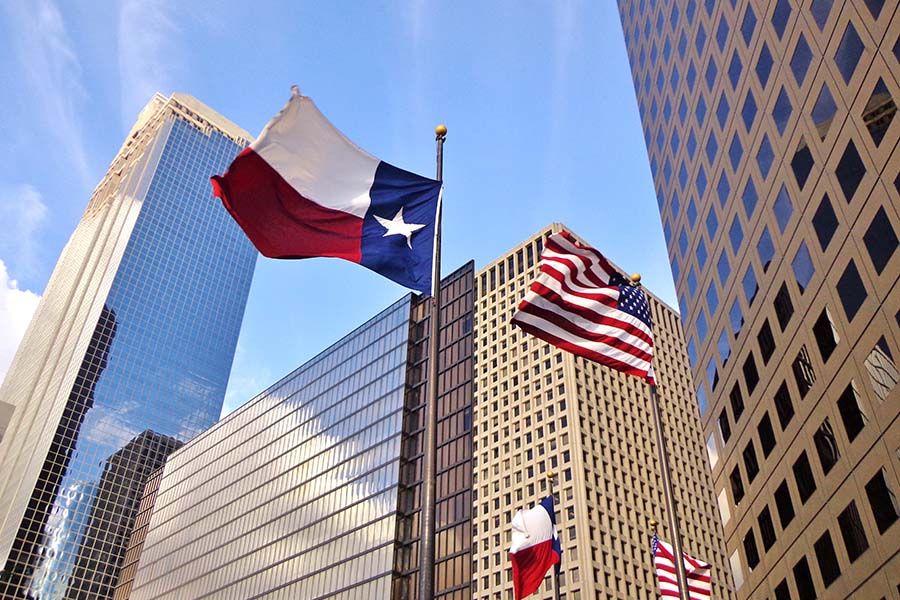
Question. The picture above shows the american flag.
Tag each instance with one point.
(580, 303)
(698, 579)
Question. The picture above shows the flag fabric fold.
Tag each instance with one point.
(698, 573)
(303, 190)
(581, 304)
(535, 547)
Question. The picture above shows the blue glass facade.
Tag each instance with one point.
(169, 272)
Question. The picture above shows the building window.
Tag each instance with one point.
(882, 502)
(737, 401)
(802, 163)
(712, 223)
(766, 249)
(765, 156)
(881, 241)
(701, 326)
(850, 171)
(736, 317)
(737, 570)
(826, 446)
(735, 153)
(751, 375)
(825, 334)
(825, 222)
(766, 528)
(782, 592)
(848, 53)
(764, 65)
(766, 342)
(724, 426)
(853, 532)
(781, 112)
(712, 449)
(829, 568)
(751, 287)
(804, 375)
(783, 208)
(879, 112)
(851, 414)
(736, 235)
(750, 462)
(784, 308)
(851, 290)
(723, 188)
(806, 589)
(803, 267)
(820, 10)
(882, 370)
(750, 550)
(766, 435)
(723, 109)
(750, 198)
(803, 476)
(748, 113)
(712, 298)
(823, 112)
(783, 406)
(784, 504)
(800, 60)
(780, 17)
(724, 510)
(724, 269)
(737, 485)
(724, 347)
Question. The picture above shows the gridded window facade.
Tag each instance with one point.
(802, 98)
(539, 409)
(128, 355)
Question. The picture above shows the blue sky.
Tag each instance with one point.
(537, 97)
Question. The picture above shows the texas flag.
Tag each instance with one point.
(535, 547)
(302, 189)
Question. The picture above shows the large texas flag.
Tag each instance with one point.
(535, 547)
(302, 189)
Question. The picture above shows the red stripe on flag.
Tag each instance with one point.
(279, 221)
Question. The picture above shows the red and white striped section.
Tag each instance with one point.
(576, 303)
(698, 577)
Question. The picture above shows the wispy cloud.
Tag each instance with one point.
(16, 308)
(148, 53)
(50, 75)
(248, 378)
(22, 212)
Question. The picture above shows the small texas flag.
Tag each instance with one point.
(535, 547)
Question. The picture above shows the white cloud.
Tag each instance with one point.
(16, 308)
(148, 53)
(22, 212)
(50, 77)
(246, 381)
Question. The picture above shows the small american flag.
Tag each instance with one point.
(698, 578)
(580, 303)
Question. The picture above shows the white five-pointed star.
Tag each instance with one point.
(397, 226)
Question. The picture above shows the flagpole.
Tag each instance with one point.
(429, 471)
(550, 477)
(684, 592)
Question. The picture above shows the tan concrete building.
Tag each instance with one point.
(540, 409)
(772, 140)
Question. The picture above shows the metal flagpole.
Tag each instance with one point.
(670, 496)
(429, 471)
(550, 477)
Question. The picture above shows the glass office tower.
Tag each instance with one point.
(312, 489)
(127, 356)
(772, 138)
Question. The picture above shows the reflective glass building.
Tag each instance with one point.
(312, 489)
(128, 354)
(772, 134)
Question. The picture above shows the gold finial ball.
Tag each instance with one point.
(635, 278)
(653, 522)
(550, 474)
(440, 130)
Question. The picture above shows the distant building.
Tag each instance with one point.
(772, 135)
(312, 489)
(540, 409)
(135, 332)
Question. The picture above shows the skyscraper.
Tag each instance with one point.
(312, 489)
(771, 137)
(540, 409)
(127, 356)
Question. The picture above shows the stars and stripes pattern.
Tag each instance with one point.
(698, 578)
(581, 304)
